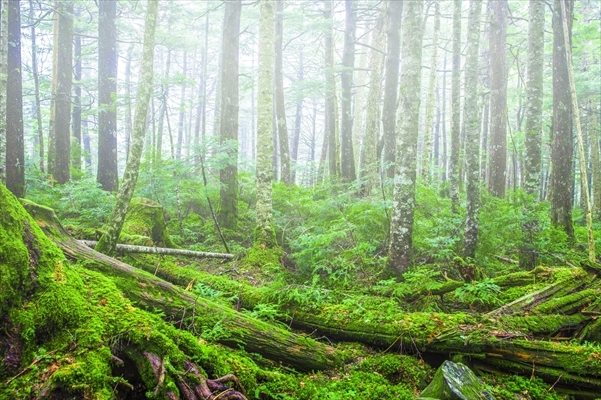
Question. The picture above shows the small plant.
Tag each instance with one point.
(481, 294)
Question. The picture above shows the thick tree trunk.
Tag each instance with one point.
(405, 174)
(454, 167)
(15, 149)
(280, 105)
(36, 86)
(347, 159)
(472, 137)
(3, 85)
(330, 95)
(76, 118)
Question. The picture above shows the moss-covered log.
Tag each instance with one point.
(129, 248)
(228, 326)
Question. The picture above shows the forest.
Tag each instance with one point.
(300, 199)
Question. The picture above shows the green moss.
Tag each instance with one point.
(145, 219)
(263, 256)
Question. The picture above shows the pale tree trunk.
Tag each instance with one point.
(62, 103)
(76, 119)
(128, 113)
(331, 119)
(280, 105)
(36, 85)
(484, 83)
(51, 118)
(108, 241)
(581, 155)
(394, 13)
(108, 174)
(264, 233)
(369, 149)
(228, 175)
(182, 111)
(297, 120)
(3, 85)
(347, 159)
(15, 152)
(359, 106)
(401, 229)
(533, 129)
(163, 110)
(562, 148)
(454, 167)
(443, 117)
(426, 160)
(593, 124)
(498, 99)
(472, 129)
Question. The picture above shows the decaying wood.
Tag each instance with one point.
(129, 248)
(239, 330)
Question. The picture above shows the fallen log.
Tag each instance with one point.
(129, 248)
(230, 327)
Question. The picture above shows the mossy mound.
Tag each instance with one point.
(145, 225)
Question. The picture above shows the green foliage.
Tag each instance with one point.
(481, 294)
(508, 386)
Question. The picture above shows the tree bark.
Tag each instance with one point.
(108, 241)
(76, 118)
(280, 105)
(498, 99)
(129, 248)
(36, 85)
(15, 149)
(401, 229)
(182, 110)
(330, 95)
(533, 129)
(472, 137)
(454, 159)
(3, 85)
(562, 145)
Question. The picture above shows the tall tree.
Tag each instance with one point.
(15, 152)
(454, 167)
(533, 129)
(369, 150)
(562, 147)
(347, 159)
(62, 101)
(108, 173)
(264, 233)
(3, 83)
(394, 13)
(498, 99)
(182, 110)
(330, 113)
(401, 228)
(429, 121)
(280, 105)
(108, 241)
(164, 96)
(36, 85)
(472, 130)
(593, 125)
(228, 175)
(76, 124)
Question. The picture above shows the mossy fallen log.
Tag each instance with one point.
(128, 248)
(228, 326)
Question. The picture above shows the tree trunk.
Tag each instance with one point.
(109, 239)
(130, 248)
(4, 5)
(472, 137)
(264, 232)
(274, 343)
(128, 114)
(297, 120)
(36, 86)
(162, 113)
(562, 147)
(595, 153)
(330, 94)
(182, 111)
(394, 14)
(401, 229)
(533, 130)
(280, 105)
(108, 173)
(498, 99)
(15, 150)
(228, 175)
(369, 150)
(76, 125)
(429, 121)
(347, 159)
(454, 167)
